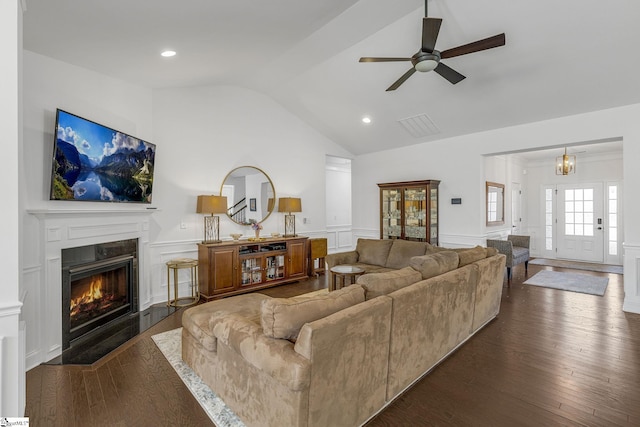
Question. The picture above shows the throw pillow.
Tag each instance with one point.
(376, 284)
(435, 264)
(371, 251)
(283, 317)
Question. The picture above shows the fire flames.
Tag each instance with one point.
(93, 294)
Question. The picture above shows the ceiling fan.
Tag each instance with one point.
(428, 58)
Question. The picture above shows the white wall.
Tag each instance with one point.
(457, 162)
(202, 134)
(496, 169)
(338, 204)
(12, 379)
(458, 167)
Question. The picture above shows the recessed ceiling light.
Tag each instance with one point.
(168, 53)
(366, 120)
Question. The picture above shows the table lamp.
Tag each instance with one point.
(289, 204)
(211, 205)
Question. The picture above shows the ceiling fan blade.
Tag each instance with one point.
(484, 44)
(449, 73)
(402, 79)
(430, 30)
(369, 59)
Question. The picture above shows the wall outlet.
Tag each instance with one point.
(183, 225)
(306, 221)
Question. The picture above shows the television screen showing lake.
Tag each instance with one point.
(92, 162)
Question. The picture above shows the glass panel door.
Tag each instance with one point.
(433, 214)
(580, 228)
(391, 215)
(415, 213)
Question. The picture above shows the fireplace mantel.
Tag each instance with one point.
(43, 213)
(60, 229)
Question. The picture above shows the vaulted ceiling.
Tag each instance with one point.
(560, 58)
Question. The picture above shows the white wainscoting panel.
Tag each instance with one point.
(32, 310)
(88, 231)
(631, 278)
(159, 254)
(463, 241)
(22, 379)
(51, 306)
(339, 238)
(2, 380)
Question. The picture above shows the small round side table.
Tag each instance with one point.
(346, 273)
(175, 265)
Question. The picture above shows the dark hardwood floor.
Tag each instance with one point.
(551, 358)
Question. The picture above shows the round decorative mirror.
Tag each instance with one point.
(250, 195)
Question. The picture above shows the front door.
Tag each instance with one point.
(580, 229)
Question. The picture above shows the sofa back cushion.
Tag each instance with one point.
(402, 251)
(376, 284)
(373, 251)
(283, 317)
(469, 255)
(435, 264)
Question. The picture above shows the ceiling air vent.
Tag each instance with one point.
(419, 126)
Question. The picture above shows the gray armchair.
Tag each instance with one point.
(516, 248)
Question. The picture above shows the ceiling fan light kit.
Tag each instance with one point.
(428, 58)
(426, 61)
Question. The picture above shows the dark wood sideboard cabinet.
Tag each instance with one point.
(409, 210)
(235, 267)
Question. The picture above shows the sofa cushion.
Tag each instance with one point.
(435, 264)
(283, 317)
(431, 249)
(469, 255)
(200, 319)
(402, 251)
(370, 268)
(377, 284)
(372, 251)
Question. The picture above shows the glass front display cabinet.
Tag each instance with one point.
(409, 211)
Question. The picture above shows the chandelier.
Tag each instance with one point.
(565, 164)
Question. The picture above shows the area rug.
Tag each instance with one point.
(602, 268)
(570, 282)
(170, 344)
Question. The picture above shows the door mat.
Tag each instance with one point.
(573, 282)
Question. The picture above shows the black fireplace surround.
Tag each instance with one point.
(101, 283)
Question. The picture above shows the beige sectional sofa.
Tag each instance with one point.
(338, 358)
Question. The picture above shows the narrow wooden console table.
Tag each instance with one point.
(239, 266)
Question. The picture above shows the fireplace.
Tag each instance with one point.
(99, 287)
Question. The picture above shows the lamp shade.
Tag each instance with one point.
(211, 204)
(289, 204)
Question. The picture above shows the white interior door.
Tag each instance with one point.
(516, 208)
(580, 231)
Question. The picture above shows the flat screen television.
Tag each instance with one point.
(92, 162)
